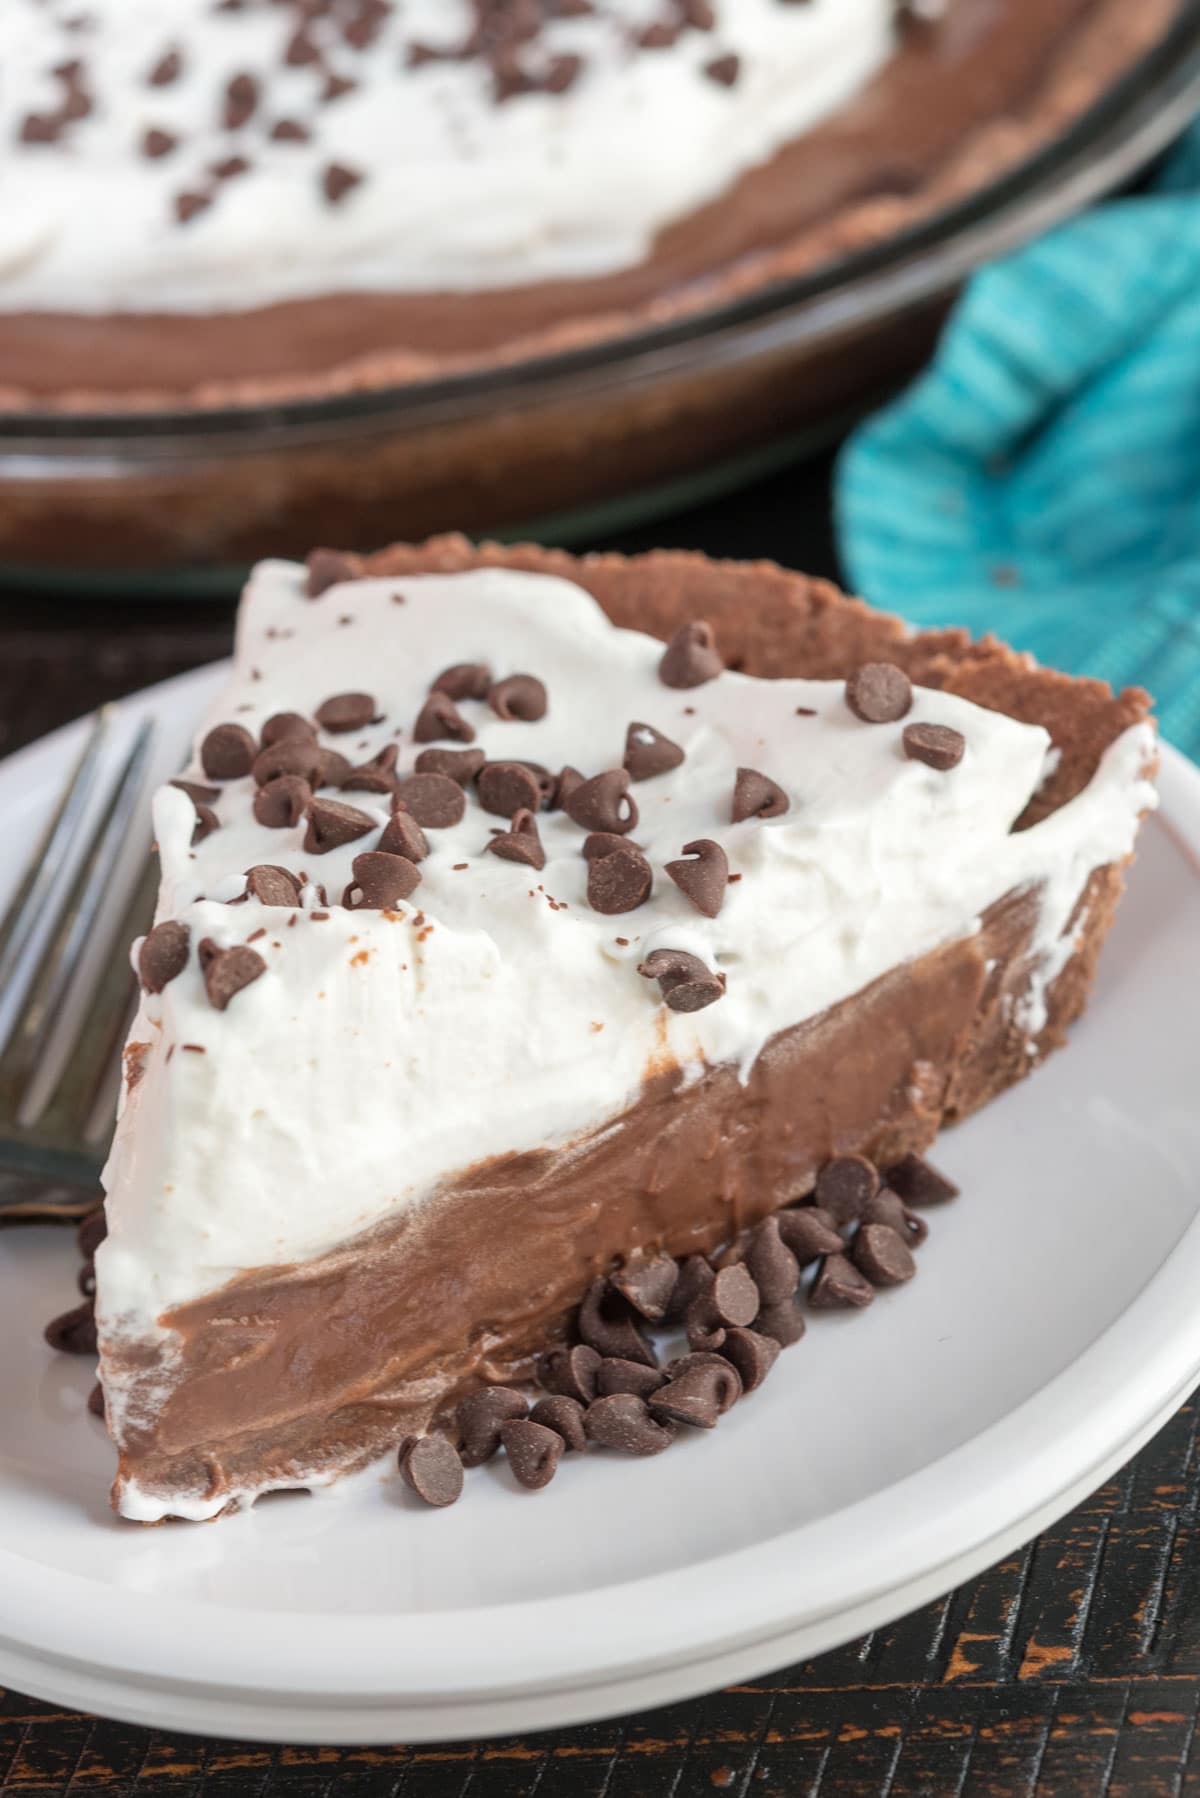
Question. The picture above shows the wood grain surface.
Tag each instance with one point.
(1073, 1667)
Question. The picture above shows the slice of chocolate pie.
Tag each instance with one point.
(521, 917)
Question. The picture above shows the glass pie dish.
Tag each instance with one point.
(561, 447)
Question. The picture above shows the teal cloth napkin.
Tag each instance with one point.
(1042, 479)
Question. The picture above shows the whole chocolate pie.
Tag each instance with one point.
(233, 201)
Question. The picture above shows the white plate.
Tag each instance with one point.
(1053, 1327)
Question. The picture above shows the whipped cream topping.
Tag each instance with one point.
(190, 160)
(381, 1053)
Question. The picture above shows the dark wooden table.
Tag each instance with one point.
(1073, 1667)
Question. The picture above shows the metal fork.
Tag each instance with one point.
(52, 1144)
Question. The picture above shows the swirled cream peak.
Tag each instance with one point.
(198, 158)
(495, 1010)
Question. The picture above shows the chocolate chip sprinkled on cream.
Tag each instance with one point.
(402, 835)
(339, 180)
(603, 803)
(648, 752)
(298, 756)
(505, 788)
(327, 568)
(756, 795)
(434, 800)
(691, 657)
(286, 724)
(346, 712)
(331, 823)
(619, 879)
(461, 765)
(227, 971)
(281, 803)
(227, 752)
(380, 881)
(440, 717)
(704, 879)
(684, 981)
(520, 842)
(520, 696)
(376, 776)
(272, 885)
(937, 745)
(879, 693)
(163, 955)
(464, 680)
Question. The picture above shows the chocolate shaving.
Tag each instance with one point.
(461, 765)
(705, 879)
(227, 971)
(691, 657)
(603, 803)
(879, 693)
(756, 795)
(520, 696)
(272, 885)
(331, 824)
(282, 803)
(520, 842)
(505, 788)
(434, 800)
(380, 881)
(163, 954)
(227, 752)
(345, 712)
(533, 1452)
(648, 752)
(623, 1422)
(440, 717)
(464, 680)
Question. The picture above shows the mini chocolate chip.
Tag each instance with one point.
(728, 1391)
(440, 717)
(752, 1352)
(290, 131)
(809, 1233)
(533, 1451)
(887, 1208)
(564, 1416)
(724, 70)
(683, 980)
(617, 1375)
(934, 744)
(328, 568)
(337, 181)
(570, 1372)
(698, 1395)
(331, 824)
(648, 1282)
(196, 793)
(783, 1323)
(380, 881)
(241, 98)
(773, 1267)
(619, 881)
(189, 205)
(648, 752)
(402, 835)
(299, 756)
(479, 1418)
(603, 803)
(167, 69)
(622, 1421)
(272, 885)
(695, 1277)
(431, 1468)
(519, 696)
(569, 781)
(464, 680)
(879, 693)
(282, 803)
(227, 971)
(163, 954)
(228, 752)
(756, 795)
(346, 711)
(705, 879)
(505, 788)
(838, 1284)
(691, 657)
(918, 1183)
(91, 1231)
(461, 765)
(95, 1403)
(882, 1255)
(607, 1324)
(520, 842)
(843, 1187)
(74, 1333)
(434, 800)
(157, 143)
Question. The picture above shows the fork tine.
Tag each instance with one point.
(69, 942)
(29, 901)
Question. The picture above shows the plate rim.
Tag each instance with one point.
(736, 1611)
